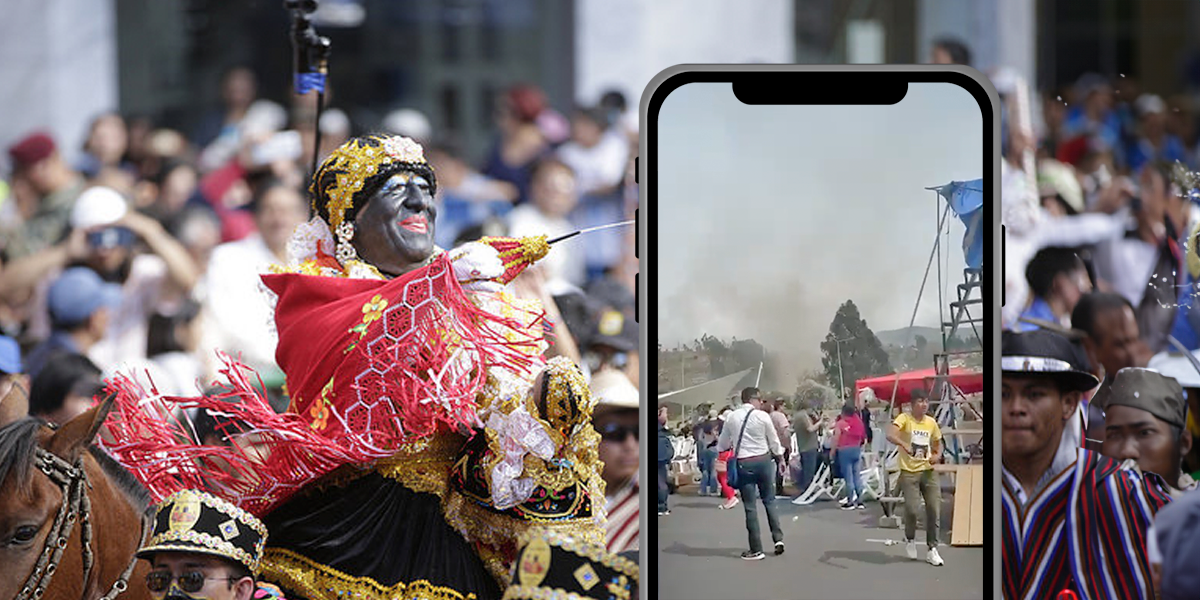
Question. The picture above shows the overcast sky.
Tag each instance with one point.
(771, 216)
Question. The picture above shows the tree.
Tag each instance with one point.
(717, 353)
(746, 354)
(921, 343)
(862, 355)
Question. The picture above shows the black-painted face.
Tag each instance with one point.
(394, 231)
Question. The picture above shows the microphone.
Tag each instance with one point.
(310, 51)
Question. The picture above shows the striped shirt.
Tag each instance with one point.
(623, 518)
(1084, 530)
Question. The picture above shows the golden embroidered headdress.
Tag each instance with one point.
(345, 181)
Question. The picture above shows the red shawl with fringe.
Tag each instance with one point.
(371, 366)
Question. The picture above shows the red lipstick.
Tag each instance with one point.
(415, 224)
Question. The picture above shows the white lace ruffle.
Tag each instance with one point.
(272, 300)
(519, 434)
(306, 239)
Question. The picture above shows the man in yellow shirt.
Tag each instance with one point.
(920, 442)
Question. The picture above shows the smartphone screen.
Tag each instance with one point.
(817, 290)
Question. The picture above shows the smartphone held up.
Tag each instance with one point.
(817, 294)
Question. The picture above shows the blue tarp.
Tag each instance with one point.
(966, 200)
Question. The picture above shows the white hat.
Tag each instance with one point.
(262, 117)
(613, 389)
(1177, 366)
(408, 123)
(335, 122)
(1058, 178)
(1005, 80)
(98, 206)
(1150, 104)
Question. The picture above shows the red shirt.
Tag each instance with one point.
(852, 432)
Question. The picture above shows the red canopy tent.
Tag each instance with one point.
(967, 381)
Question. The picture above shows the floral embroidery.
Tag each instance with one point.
(372, 311)
(320, 409)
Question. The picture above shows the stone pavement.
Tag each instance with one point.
(827, 556)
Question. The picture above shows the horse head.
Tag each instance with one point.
(69, 522)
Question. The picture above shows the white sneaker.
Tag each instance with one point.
(910, 547)
(933, 558)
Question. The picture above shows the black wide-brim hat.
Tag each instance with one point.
(552, 566)
(1046, 353)
(200, 523)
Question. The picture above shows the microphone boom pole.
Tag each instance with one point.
(310, 61)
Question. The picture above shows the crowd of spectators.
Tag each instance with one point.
(143, 256)
(1099, 202)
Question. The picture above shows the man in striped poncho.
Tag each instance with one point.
(1073, 520)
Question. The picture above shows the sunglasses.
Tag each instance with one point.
(189, 581)
(617, 433)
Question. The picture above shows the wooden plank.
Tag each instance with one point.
(960, 529)
(948, 468)
(976, 536)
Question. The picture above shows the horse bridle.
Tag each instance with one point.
(75, 507)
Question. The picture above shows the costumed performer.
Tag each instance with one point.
(426, 432)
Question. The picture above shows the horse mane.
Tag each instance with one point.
(122, 478)
(17, 443)
(19, 439)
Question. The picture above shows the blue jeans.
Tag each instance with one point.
(756, 477)
(847, 461)
(707, 459)
(664, 491)
(808, 469)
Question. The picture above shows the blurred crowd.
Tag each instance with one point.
(1099, 203)
(143, 257)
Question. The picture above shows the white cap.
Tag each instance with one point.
(1178, 367)
(1150, 104)
(334, 122)
(98, 206)
(612, 388)
(263, 116)
(1005, 80)
(408, 123)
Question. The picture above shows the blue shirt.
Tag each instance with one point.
(1141, 151)
(1040, 310)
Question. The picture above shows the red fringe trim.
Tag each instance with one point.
(271, 456)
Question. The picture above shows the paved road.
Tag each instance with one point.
(828, 556)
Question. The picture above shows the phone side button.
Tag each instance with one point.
(637, 233)
(637, 297)
(635, 170)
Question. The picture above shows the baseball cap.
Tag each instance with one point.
(615, 330)
(78, 293)
(409, 123)
(98, 206)
(1150, 104)
(32, 149)
(10, 355)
